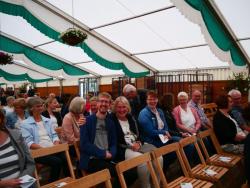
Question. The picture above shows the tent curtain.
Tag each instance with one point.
(18, 10)
(37, 57)
(219, 42)
(21, 77)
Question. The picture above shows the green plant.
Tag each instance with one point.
(23, 88)
(5, 58)
(240, 81)
(73, 36)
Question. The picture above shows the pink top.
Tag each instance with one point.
(177, 115)
(70, 129)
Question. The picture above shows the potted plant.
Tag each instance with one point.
(73, 36)
(5, 58)
(240, 81)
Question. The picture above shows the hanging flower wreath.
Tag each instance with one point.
(73, 36)
(5, 58)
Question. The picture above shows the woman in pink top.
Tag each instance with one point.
(73, 120)
(187, 119)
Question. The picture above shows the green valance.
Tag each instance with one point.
(21, 77)
(217, 32)
(37, 57)
(18, 10)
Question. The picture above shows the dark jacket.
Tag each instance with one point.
(87, 137)
(57, 116)
(224, 128)
(26, 162)
(121, 143)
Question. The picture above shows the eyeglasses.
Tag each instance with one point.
(104, 101)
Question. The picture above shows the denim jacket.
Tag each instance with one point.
(11, 119)
(30, 132)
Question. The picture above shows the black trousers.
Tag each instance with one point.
(56, 162)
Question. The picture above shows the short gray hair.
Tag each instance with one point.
(32, 101)
(128, 88)
(234, 92)
(76, 105)
(182, 94)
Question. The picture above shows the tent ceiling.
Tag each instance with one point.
(154, 39)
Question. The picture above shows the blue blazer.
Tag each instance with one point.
(87, 137)
(11, 119)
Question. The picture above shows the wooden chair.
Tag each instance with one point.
(92, 180)
(199, 170)
(53, 150)
(176, 183)
(59, 132)
(134, 162)
(209, 109)
(77, 149)
(216, 158)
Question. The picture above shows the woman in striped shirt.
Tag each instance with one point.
(15, 159)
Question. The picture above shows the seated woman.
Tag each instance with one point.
(15, 118)
(228, 132)
(73, 120)
(38, 133)
(187, 119)
(15, 159)
(51, 105)
(129, 144)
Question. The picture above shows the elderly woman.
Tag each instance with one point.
(187, 119)
(15, 118)
(9, 108)
(129, 144)
(73, 120)
(15, 159)
(51, 105)
(38, 133)
(227, 130)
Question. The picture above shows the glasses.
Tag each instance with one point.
(104, 101)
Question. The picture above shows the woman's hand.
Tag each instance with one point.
(10, 183)
(81, 121)
(136, 146)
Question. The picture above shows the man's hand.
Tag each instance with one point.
(108, 155)
(167, 135)
(136, 146)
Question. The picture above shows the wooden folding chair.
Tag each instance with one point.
(199, 171)
(59, 132)
(176, 183)
(216, 159)
(53, 150)
(209, 109)
(134, 162)
(77, 149)
(92, 180)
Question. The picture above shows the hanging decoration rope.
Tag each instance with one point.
(5, 58)
(73, 36)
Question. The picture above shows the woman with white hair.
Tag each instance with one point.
(187, 119)
(73, 120)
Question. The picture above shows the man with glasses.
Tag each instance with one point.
(195, 103)
(236, 111)
(98, 140)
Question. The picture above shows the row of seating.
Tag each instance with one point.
(197, 175)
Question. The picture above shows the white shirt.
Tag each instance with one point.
(187, 118)
(129, 137)
(239, 130)
(44, 139)
(53, 121)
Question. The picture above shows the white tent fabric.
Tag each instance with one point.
(163, 41)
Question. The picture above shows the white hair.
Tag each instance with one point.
(182, 94)
(234, 92)
(128, 88)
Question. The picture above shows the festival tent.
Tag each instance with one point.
(132, 38)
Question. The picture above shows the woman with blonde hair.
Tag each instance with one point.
(129, 144)
(73, 120)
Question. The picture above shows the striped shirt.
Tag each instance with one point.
(9, 161)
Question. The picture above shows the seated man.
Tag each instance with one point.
(236, 110)
(195, 103)
(98, 140)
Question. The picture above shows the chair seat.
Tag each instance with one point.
(56, 183)
(195, 182)
(199, 172)
(215, 160)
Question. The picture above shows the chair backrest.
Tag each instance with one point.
(91, 180)
(209, 109)
(209, 134)
(188, 141)
(53, 150)
(59, 132)
(174, 147)
(78, 153)
(134, 162)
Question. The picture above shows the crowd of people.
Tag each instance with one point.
(113, 130)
